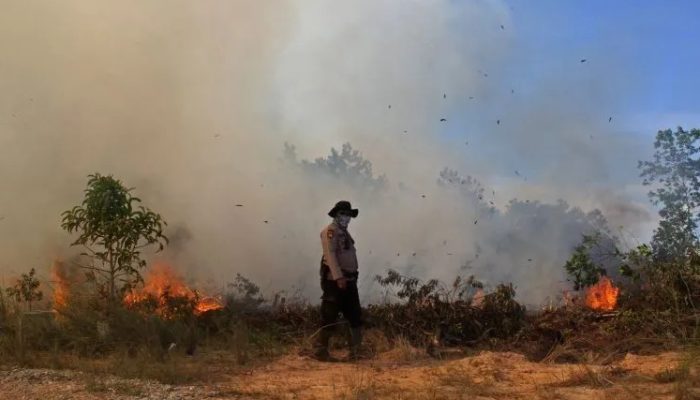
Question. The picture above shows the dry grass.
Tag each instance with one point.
(361, 386)
(458, 379)
(94, 384)
(687, 376)
(376, 341)
(587, 376)
(485, 376)
(669, 375)
(403, 351)
(174, 369)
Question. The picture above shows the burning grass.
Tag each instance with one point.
(158, 328)
(163, 288)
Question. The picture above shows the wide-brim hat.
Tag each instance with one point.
(343, 206)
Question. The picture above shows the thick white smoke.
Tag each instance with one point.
(192, 104)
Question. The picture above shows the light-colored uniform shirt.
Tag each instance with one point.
(338, 251)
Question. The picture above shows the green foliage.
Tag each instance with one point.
(113, 229)
(580, 267)
(26, 289)
(675, 174)
(637, 261)
(662, 285)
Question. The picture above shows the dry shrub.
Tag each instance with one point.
(376, 341)
(403, 351)
(432, 313)
(578, 334)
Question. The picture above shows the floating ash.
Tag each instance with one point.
(603, 295)
(163, 284)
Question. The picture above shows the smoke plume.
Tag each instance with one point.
(192, 104)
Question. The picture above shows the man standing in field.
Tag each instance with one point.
(339, 272)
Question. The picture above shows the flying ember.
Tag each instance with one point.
(603, 295)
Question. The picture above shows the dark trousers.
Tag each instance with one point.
(335, 300)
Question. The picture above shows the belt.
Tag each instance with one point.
(349, 275)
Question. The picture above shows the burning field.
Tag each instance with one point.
(463, 342)
(523, 224)
(159, 334)
(485, 346)
(150, 331)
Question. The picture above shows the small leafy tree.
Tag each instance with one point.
(26, 289)
(113, 229)
(580, 267)
(675, 174)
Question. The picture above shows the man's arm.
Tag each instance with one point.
(330, 244)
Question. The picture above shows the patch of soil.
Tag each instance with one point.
(390, 375)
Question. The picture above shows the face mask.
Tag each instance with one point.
(343, 220)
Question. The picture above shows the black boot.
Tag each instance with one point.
(321, 352)
(355, 343)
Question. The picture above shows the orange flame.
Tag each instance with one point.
(163, 280)
(61, 287)
(602, 295)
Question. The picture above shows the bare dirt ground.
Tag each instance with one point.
(392, 375)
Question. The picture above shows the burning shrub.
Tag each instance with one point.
(165, 293)
(651, 283)
(584, 267)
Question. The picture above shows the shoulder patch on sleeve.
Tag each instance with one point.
(330, 233)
